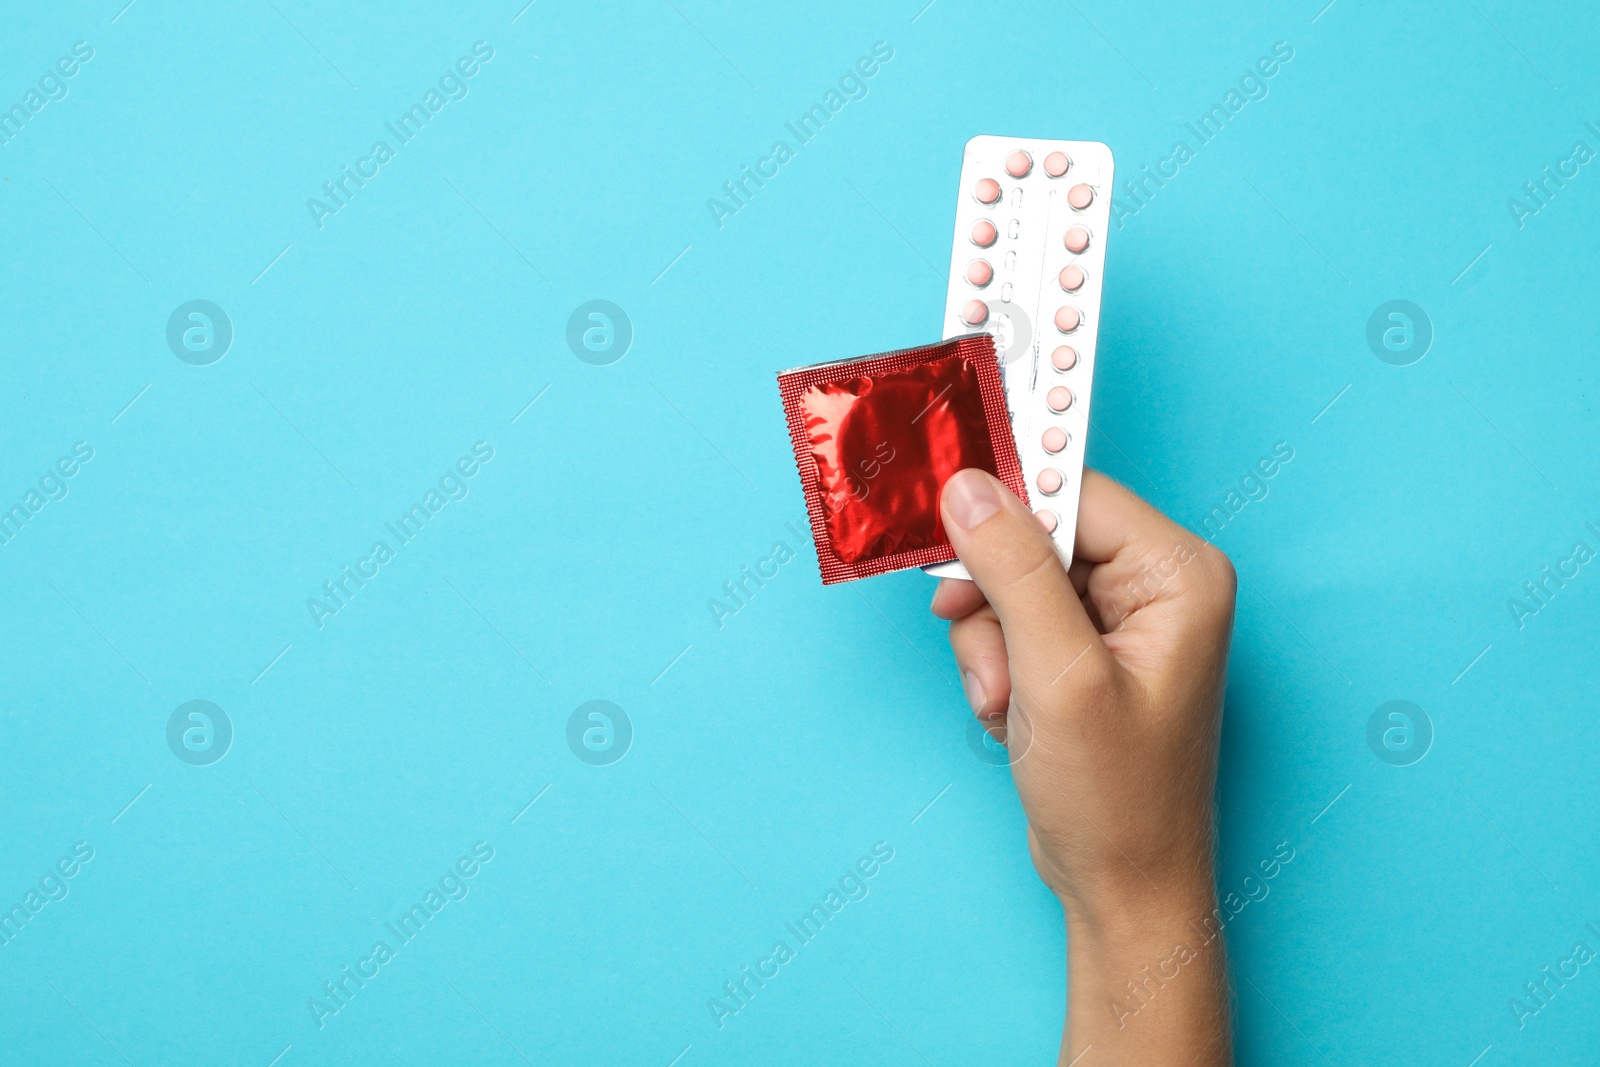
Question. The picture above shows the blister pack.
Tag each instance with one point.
(1027, 266)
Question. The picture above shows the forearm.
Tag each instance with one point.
(1148, 985)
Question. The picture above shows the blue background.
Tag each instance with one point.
(771, 753)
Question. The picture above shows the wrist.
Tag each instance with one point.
(1113, 940)
(1148, 976)
(1117, 912)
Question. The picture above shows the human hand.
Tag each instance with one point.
(1106, 682)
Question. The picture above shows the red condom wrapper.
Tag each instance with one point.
(875, 439)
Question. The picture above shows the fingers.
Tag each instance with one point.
(1147, 571)
(980, 650)
(1014, 563)
(1112, 521)
(956, 598)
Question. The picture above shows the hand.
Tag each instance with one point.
(1105, 680)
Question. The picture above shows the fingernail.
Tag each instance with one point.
(970, 498)
(974, 690)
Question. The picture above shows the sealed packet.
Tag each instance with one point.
(875, 439)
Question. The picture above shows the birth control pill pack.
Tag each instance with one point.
(1027, 265)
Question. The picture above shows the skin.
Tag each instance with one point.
(1105, 680)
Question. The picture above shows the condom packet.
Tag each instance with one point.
(875, 439)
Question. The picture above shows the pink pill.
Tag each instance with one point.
(1056, 164)
(1068, 319)
(979, 273)
(1080, 197)
(974, 313)
(987, 191)
(1049, 481)
(1064, 358)
(1018, 163)
(1076, 239)
(1047, 519)
(1054, 440)
(984, 233)
(1072, 278)
(1059, 398)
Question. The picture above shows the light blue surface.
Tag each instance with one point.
(770, 754)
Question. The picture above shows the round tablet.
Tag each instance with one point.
(1056, 164)
(984, 233)
(1072, 278)
(1076, 239)
(979, 273)
(1018, 163)
(987, 191)
(1080, 197)
(1059, 398)
(1047, 519)
(974, 312)
(1064, 358)
(1068, 319)
(1049, 481)
(1054, 440)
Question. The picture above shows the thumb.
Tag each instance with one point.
(1014, 562)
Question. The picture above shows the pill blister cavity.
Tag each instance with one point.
(1049, 481)
(987, 191)
(984, 233)
(1064, 358)
(1059, 398)
(975, 313)
(1068, 319)
(1072, 278)
(1054, 440)
(1076, 239)
(1080, 197)
(979, 273)
(1056, 164)
(1047, 519)
(1019, 163)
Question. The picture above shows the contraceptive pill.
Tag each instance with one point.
(1040, 210)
